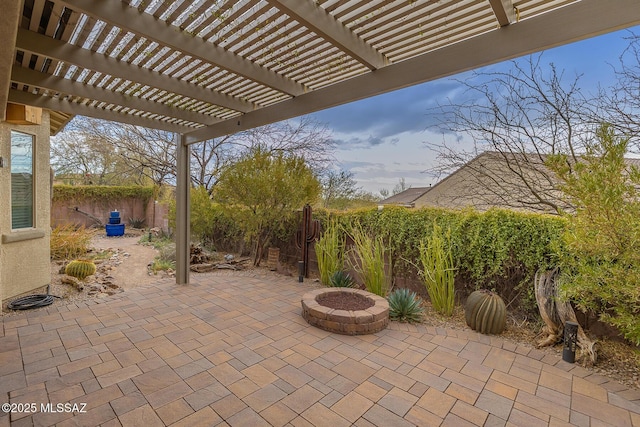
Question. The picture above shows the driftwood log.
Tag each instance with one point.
(69, 280)
(227, 265)
(555, 313)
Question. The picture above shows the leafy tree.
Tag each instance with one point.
(262, 190)
(338, 188)
(601, 259)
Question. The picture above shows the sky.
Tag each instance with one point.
(381, 140)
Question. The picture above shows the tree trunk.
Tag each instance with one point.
(555, 313)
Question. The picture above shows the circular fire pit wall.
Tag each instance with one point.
(356, 322)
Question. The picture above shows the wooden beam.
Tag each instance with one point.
(83, 58)
(55, 104)
(504, 11)
(53, 83)
(588, 18)
(19, 114)
(120, 14)
(326, 26)
(9, 22)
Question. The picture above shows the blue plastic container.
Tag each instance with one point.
(113, 220)
(115, 214)
(114, 229)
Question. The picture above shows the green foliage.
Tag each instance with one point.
(405, 306)
(341, 279)
(601, 257)
(106, 193)
(262, 190)
(210, 223)
(159, 264)
(80, 268)
(136, 222)
(497, 249)
(68, 241)
(438, 270)
(369, 254)
(330, 252)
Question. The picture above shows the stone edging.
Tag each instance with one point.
(359, 322)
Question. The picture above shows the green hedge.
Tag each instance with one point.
(107, 193)
(497, 249)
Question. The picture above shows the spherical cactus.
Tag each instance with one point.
(485, 312)
(80, 268)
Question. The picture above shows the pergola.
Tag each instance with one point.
(206, 68)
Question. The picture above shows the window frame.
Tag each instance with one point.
(32, 138)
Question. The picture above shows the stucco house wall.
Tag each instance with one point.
(25, 254)
(491, 180)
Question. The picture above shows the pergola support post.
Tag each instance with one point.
(183, 210)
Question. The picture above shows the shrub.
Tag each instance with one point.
(601, 257)
(497, 249)
(405, 306)
(330, 253)
(69, 241)
(438, 270)
(370, 261)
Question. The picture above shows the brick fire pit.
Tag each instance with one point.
(352, 322)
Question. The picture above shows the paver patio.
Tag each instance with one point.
(233, 349)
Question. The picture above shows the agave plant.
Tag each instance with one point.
(405, 306)
(341, 279)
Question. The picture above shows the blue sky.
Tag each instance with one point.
(382, 139)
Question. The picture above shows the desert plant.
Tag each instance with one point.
(341, 279)
(69, 241)
(485, 312)
(80, 268)
(405, 306)
(438, 271)
(329, 253)
(136, 222)
(369, 261)
(160, 264)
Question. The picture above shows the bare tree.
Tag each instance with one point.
(521, 116)
(87, 159)
(400, 186)
(338, 188)
(622, 104)
(149, 154)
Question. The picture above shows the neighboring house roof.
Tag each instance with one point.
(406, 197)
(494, 179)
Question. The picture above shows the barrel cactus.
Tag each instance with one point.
(485, 312)
(80, 268)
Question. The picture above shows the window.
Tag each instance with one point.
(21, 180)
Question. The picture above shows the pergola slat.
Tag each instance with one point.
(34, 78)
(143, 24)
(46, 46)
(589, 17)
(332, 30)
(26, 98)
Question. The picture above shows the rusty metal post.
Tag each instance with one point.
(309, 231)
